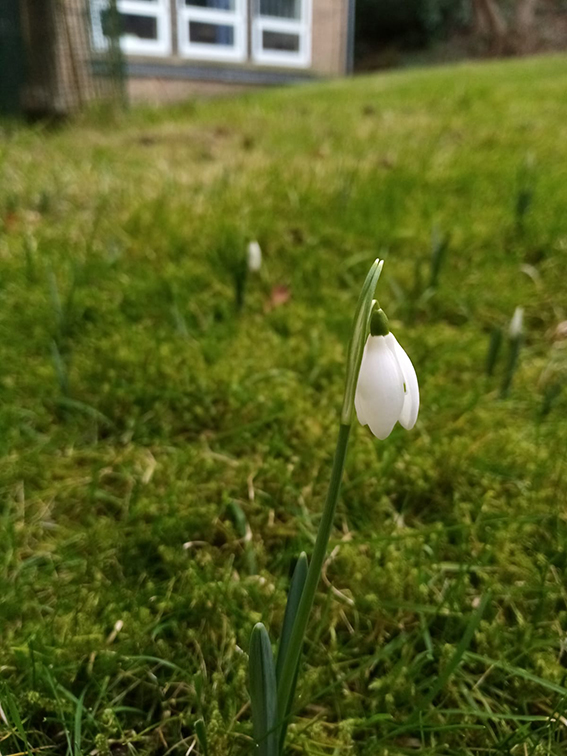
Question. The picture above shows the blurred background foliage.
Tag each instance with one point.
(392, 33)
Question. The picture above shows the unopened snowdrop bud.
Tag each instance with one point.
(254, 257)
(517, 323)
(387, 391)
(515, 333)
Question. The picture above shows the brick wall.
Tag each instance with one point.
(155, 91)
(329, 36)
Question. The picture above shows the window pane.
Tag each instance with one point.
(143, 27)
(226, 5)
(211, 34)
(280, 8)
(279, 41)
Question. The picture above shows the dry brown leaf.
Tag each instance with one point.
(279, 295)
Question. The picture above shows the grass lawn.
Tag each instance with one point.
(164, 458)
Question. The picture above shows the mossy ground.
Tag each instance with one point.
(142, 416)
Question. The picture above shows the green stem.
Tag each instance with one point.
(290, 661)
(511, 367)
(285, 685)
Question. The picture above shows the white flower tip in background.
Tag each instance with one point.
(387, 391)
(254, 257)
(517, 323)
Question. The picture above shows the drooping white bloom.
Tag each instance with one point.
(387, 389)
(254, 257)
(517, 323)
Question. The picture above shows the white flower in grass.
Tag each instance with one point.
(517, 323)
(254, 257)
(387, 391)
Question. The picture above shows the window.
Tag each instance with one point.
(213, 29)
(143, 25)
(281, 32)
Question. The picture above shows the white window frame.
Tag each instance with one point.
(236, 18)
(300, 27)
(130, 45)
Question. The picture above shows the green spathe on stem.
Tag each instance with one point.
(379, 325)
(358, 338)
(360, 332)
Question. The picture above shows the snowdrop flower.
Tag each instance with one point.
(387, 389)
(517, 323)
(254, 257)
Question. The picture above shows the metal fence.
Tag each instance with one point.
(48, 66)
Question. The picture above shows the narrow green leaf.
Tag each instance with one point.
(358, 339)
(201, 733)
(552, 392)
(459, 652)
(512, 365)
(448, 671)
(493, 350)
(15, 718)
(518, 672)
(294, 596)
(288, 677)
(54, 687)
(78, 725)
(244, 531)
(439, 246)
(263, 695)
(238, 517)
(54, 295)
(60, 368)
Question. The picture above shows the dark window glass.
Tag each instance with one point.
(226, 5)
(211, 34)
(143, 27)
(280, 8)
(279, 41)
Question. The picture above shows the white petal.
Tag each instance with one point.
(410, 409)
(379, 394)
(517, 323)
(254, 257)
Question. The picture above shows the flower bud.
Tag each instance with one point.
(254, 257)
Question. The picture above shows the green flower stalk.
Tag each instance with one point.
(385, 390)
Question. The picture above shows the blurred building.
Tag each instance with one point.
(55, 55)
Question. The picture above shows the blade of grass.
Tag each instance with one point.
(448, 670)
(459, 652)
(61, 713)
(14, 715)
(77, 729)
(524, 674)
(201, 733)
